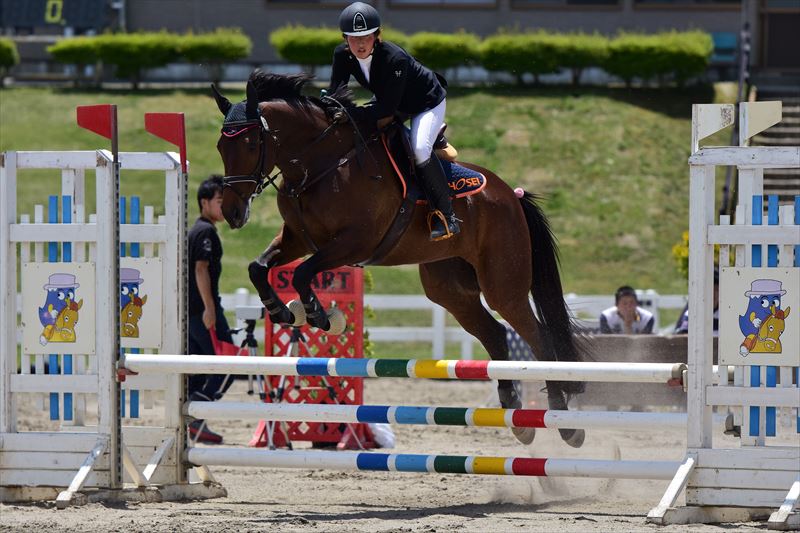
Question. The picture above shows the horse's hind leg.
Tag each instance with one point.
(453, 285)
(511, 301)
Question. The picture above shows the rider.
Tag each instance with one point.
(400, 84)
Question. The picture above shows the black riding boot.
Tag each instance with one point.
(434, 183)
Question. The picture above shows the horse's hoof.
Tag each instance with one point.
(298, 313)
(337, 321)
(573, 437)
(524, 435)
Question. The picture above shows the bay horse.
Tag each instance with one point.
(338, 197)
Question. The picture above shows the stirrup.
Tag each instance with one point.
(437, 214)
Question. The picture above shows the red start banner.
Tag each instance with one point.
(340, 287)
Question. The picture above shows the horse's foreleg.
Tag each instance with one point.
(327, 257)
(282, 250)
(303, 274)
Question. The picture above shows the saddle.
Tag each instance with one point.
(462, 181)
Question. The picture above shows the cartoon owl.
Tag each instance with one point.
(763, 294)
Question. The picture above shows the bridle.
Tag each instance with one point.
(258, 176)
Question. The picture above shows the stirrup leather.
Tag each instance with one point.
(439, 215)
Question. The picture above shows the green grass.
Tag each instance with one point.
(610, 163)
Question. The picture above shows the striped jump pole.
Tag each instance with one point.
(405, 368)
(435, 416)
(443, 464)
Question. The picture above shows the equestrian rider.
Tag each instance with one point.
(401, 84)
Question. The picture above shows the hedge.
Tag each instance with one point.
(8, 53)
(131, 53)
(223, 45)
(578, 51)
(521, 53)
(680, 54)
(313, 47)
(441, 51)
(305, 46)
(212, 50)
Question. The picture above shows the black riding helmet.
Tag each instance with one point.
(359, 19)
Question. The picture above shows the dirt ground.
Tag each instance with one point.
(330, 501)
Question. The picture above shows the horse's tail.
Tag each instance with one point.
(548, 295)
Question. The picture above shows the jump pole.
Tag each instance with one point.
(404, 368)
(436, 416)
(443, 464)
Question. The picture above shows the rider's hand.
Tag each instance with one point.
(209, 318)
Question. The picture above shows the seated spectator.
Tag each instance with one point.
(682, 325)
(626, 317)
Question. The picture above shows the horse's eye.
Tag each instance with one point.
(247, 140)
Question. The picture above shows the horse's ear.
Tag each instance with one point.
(223, 103)
(252, 102)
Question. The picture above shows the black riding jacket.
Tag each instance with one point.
(398, 81)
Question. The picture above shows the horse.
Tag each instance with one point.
(338, 197)
(130, 316)
(63, 330)
(767, 340)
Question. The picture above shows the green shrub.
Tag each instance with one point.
(214, 49)
(441, 51)
(689, 53)
(8, 53)
(521, 53)
(632, 55)
(577, 51)
(131, 53)
(396, 36)
(680, 54)
(223, 45)
(75, 51)
(305, 46)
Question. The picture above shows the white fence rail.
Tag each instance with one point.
(438, 333)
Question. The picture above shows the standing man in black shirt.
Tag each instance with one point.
(205, 309)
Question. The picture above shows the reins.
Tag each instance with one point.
(260, 178)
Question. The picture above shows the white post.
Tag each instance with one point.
(8, 285)
(107, 308)
(701, 276)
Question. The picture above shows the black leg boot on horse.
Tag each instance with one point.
(441, 218)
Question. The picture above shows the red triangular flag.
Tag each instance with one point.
(171, 128)
(100, 119)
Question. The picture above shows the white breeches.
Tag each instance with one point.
(424, 129)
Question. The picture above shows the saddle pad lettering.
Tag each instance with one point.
(462, 181)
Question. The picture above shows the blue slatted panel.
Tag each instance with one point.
(755, 371)
(66, 257)
(123, 219)
(797, 264)
(135, 251)
(52, 257)
(772, 261)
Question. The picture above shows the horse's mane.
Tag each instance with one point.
(289, 87)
